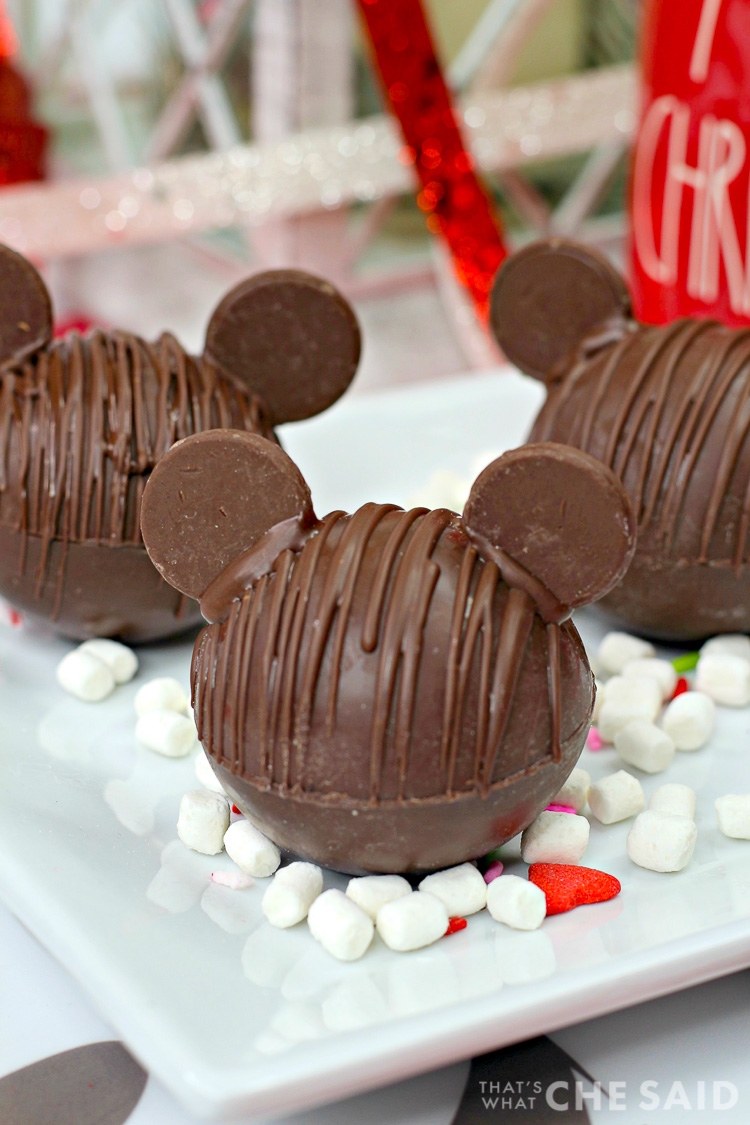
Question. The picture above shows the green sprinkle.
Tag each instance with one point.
(686, 663)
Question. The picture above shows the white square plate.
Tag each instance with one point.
(235, 1017)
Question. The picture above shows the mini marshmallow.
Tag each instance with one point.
(292, 893)
(689, 720)
(370, 892)
(661, 670)
(618, 649)
(627, 698)
(575, 791)
(412, 922)
(203, 820)
(730, 644)
(516, 902)
(724, 678)
(444, 489)
(121, 660)
(253, 852)
(645, 746)
(675, 799)
(662, 842)
(555, 837)
(85, 676)
(598, 700)
(462, 890)
(205, 774)
(235, 880)
(733, 812)
(342, 928)
(161, 694)
(167, 733)
(616, 797)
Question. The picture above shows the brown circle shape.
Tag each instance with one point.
(25, 308)
(561, 514)
(291, 338)
(211, 497)
(548, 297)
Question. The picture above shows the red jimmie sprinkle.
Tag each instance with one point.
(566, 886)
(454, 925)
(236, 810)
(681, 687)
(451, 196)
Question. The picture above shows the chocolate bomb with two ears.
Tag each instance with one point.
(667, 408)
(83, 421)
(389, 690)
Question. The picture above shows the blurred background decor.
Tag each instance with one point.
(193, 139)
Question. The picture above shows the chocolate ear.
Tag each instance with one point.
(25, 308)
(210, 497)
(549, 297)
(562, 515)
(289, 337)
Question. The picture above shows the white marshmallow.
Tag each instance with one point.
(555, 837)
(203, 820)
(678, 800)
(205, 774)
(661, 670)
(627, 698)
(161, 694)
(292, 893)
(444, 489)
(341, 927)
(235, 880)
(689, 720)
(725, 678)
(121, 660)
(167, 733)
(370, 892)
(575, 791)
(645, 746)
(462, 890)
(412, 922)
(516, 902)
(616, 797)
(598, 700)
(253, 852)
(618, 649)
(733, 812)
(730, 644)
(85, 676)
(662, 842)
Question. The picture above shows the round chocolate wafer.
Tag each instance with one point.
(559, 513)
(290, 338)
(211, 497)
(25, 308)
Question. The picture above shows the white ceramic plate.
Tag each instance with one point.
(235, 1017)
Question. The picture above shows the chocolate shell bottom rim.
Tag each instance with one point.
(91, 589)
(676, 600)
(401, 837)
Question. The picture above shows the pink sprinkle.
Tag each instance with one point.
(493, 871)
(594, 740)
(235, 880)
(561, 808)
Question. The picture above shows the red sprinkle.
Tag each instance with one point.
(561, 808)
(236, 810)
(566, 885)
(681, 688)
(454, 925)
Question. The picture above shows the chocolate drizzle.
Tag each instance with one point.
(83, 422)
(367, 598)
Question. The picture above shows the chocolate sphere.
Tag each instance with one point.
(666, 408)
(388, 691)
(84, 419)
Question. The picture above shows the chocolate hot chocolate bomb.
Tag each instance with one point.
(389, 690)
(666, 408)
(83, 421)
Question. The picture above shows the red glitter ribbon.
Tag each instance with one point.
(456, 204)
